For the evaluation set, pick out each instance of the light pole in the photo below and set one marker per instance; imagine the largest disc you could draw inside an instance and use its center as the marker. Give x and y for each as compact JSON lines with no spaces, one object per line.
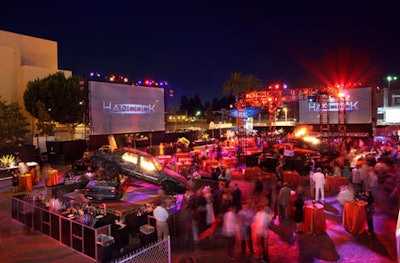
{"x":390,"y":79}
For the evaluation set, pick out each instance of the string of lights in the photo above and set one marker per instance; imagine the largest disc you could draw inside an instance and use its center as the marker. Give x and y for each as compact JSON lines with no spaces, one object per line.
{"x":115,"y":78}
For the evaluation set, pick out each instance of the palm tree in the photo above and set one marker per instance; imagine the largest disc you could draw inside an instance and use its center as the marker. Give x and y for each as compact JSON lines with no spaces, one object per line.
{"x":237,"y":84}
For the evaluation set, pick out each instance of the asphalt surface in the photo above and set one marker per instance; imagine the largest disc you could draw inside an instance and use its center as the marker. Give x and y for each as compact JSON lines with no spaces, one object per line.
{"x":20,"y":244}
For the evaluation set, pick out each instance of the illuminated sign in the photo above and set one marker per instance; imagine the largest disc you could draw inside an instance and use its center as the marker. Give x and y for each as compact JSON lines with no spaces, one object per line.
{"x":333,"y":106}
{"x":121,"y":108}
{"x":128,"y":108}
{"x":358,"y":108}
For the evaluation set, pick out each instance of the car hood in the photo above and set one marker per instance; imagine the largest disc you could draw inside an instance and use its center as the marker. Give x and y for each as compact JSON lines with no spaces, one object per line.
{"x":175,"y":175}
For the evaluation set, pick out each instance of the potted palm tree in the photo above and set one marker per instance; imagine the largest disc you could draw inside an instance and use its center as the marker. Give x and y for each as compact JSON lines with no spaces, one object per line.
{"x":7,"y":161}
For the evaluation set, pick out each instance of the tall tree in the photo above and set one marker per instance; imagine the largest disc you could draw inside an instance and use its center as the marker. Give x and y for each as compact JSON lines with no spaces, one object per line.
{"x":13,"y":125}
{"x":59,"y":95}
{"x":238,"y":84}
{"x":184,"y":104}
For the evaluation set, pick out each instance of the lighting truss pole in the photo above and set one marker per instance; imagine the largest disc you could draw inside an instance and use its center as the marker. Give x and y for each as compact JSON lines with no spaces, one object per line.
{"x":390,"y":79}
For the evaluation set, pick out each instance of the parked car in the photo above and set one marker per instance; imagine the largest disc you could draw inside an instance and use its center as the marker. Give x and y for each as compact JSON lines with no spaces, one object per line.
{"x":140,"y":165}
{"x":103,"y":190}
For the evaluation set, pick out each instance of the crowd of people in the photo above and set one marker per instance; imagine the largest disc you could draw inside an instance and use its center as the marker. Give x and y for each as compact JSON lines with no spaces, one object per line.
{"x":366,"y":167}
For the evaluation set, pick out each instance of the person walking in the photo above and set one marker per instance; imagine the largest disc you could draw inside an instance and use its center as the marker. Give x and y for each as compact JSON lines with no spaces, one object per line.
{"x":229,"y":230}
{"x":319,"y":179}
{"x":161,"y":215}
{"x":245,"y":219}
{"x":283,"y":201}
{"x":279,"y":170}
{"x":262,"y":221}
{"x":275,"y":189}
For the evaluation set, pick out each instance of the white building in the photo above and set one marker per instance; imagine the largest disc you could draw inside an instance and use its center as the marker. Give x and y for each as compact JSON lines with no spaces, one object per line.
{"x":23,"y":59}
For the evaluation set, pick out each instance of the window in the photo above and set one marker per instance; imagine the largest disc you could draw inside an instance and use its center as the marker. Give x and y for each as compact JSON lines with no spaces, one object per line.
{"x":130,"y":157}
{"x":147,"y":164}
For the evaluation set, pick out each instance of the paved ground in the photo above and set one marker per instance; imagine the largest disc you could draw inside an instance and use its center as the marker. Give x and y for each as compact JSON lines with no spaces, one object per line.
{"x":19,"y":244}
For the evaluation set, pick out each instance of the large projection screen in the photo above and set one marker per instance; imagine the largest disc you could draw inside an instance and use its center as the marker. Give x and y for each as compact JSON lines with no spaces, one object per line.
{"x":358,"y":108}
{"x":121,"y":108}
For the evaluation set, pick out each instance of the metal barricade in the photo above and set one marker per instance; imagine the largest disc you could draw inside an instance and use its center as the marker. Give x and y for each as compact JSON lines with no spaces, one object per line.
{"x":157,"y":252}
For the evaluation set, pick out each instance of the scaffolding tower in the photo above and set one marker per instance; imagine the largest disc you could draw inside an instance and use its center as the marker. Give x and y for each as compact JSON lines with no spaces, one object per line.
{"x":342,"y":116}
{"x":242,"y":134}
{"x":269,"y":99}
{"x":325,"y":127}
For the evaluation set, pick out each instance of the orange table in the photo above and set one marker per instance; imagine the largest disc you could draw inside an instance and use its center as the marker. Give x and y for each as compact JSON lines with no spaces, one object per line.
{"x":292,"y":177}
{"x":314,"y":219}
{"x":185,"y":160}
{"x":228,"y":161}
{"x":251,"y":173}
{"x":165,"y":158}
{"x":53,"y":178}
{"x":180,"y":166}
{"x":354,"y":217}
{"x":333,"y":183}
{"x":181,"y":155}
{"x":208,"y":164}
{"x":26,"y":182}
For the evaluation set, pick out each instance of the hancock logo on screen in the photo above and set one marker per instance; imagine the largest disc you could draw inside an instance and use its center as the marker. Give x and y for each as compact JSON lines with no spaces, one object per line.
{"x":333,"y":106}
{"x":115,"y":108}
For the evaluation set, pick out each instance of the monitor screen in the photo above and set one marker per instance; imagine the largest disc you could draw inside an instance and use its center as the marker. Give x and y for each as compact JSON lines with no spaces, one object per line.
{"x":358,"y":108}
{"x":122,"y":108}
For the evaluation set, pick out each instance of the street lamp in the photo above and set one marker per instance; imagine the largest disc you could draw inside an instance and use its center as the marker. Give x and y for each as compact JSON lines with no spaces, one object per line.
{"x":389,"y":79}
{"x":285,"y":110}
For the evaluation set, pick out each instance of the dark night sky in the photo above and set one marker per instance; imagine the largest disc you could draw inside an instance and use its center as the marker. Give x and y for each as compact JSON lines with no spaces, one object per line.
{"x":195,"y":45}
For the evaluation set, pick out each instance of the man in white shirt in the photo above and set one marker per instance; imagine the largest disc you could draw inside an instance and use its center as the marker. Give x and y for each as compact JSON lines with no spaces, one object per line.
{"x":161,"y":216}
{"x":319,"y":179}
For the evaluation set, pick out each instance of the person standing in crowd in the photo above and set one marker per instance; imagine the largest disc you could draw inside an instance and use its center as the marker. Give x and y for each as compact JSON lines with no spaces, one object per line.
{"x":161,"y":216}
{"x":262,"y":221}
{"x":370,"y":209}
{"x":228,"y":175}
{"x":237,"y":197}
{"x":319,"y":179}
{"x":210,"y":216}
{"x":275,"y":189}
{"x":229,"y":230}
{"x":279,"y":170}
{"x":245,"y":219}
{"x":346,"y":168}
{"x":298,"y":213}
{"x":283,"y":201}
{"x":312,"y":182}
{"x":201,"y":208}
{"x":15,"y":180}
{"x":356,"y":179}
{"x":22,"y":166}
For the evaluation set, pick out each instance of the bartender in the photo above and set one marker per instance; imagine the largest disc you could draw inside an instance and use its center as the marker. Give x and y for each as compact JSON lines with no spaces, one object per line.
{"x":22,"y":166}
{"x":161,"y":216}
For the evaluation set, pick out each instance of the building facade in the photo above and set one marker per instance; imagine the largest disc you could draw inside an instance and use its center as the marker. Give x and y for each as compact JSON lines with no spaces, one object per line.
{"x":23,"y":59}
